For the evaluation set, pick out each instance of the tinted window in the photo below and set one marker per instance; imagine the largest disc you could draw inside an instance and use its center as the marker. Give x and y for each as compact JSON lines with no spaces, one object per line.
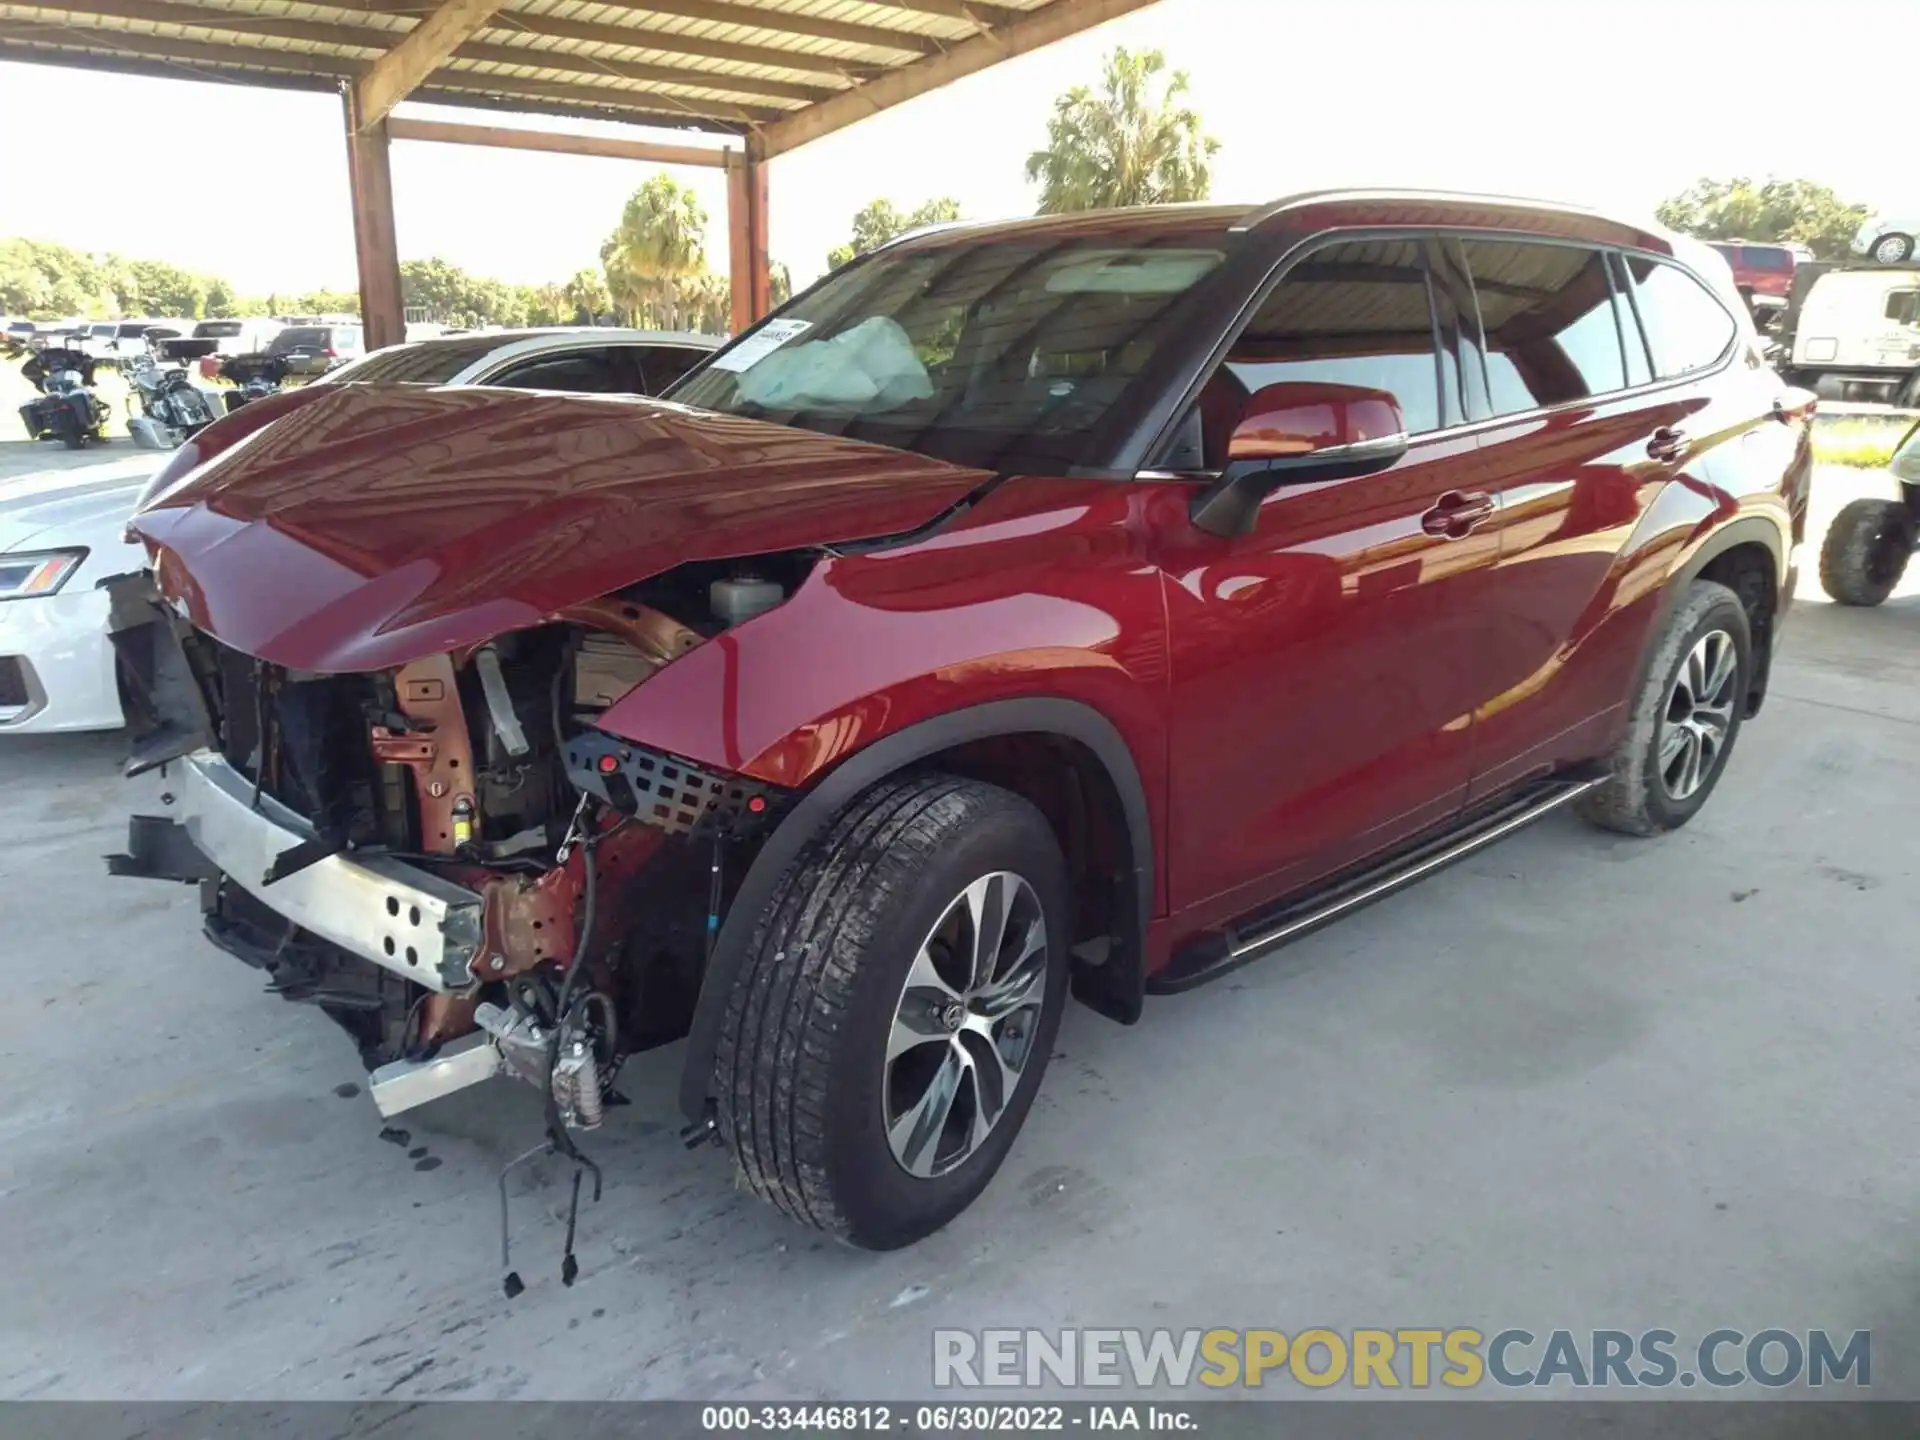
{"x":299,"y":337}
{"x":1352,"y":314}
{"x":589,"y":371}
{"x":1904,"y":306}
{"x":136,"y":330}
{"x":216,"y":330}
{"x":661,"y":365}
{"x":1548,"y":314}
{"x":1767,"y":257}
{"x":1687,"y":329}
{"x":1004,"y":352}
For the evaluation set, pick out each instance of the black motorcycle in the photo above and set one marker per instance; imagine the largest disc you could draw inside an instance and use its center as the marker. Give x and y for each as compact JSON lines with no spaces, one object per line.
{"x":172,"y":408}
{"x":253,"y":376}
{"x":67,"y":409}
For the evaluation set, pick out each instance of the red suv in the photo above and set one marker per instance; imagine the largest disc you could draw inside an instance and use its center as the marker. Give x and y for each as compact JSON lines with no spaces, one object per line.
{"x":1075,"y":606}
{"x":1763,"y":274}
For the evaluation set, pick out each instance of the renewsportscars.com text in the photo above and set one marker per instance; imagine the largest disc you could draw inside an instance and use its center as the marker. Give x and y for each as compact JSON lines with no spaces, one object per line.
{"x":1461,"y":1358}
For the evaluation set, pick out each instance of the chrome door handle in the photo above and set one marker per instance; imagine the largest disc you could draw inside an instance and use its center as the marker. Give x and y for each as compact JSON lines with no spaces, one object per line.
{"x":1455,"y":513}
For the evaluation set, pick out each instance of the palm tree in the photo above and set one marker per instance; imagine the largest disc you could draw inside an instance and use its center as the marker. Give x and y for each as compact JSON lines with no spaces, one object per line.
{"x":661,"y":239}
{"x":1134,"y":144}
{"x":586,"y":296}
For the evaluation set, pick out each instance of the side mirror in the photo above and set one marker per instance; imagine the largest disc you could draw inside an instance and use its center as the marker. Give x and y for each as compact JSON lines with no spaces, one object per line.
{"x":1294,"y":432}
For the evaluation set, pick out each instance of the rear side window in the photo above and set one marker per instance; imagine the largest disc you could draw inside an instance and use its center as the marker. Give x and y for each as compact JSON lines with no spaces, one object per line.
{"x":1687,"y":328}
{"x":1550,"y":321}
{"x":660,"y":366}
{"x":1356,"y":313}
{"x":1904,"y":306}
{"x":300,"y":337}
{"x":583,"y":371}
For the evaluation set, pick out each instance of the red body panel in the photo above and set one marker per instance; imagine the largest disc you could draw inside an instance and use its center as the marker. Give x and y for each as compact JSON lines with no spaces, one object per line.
{"x":1344,"y":675}
{"x":374,"y":525}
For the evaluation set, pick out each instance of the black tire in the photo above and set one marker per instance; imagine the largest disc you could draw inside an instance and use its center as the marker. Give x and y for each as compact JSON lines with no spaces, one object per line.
{"x":1637,"y":798}
{"x":1891,"y":249}
{"x":72,"y":436}
{"x":1865,"y":552}
{"x":800,"y":1068}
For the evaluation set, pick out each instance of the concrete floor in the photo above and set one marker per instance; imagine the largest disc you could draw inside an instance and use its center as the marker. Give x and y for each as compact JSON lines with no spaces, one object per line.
{"x":1576,"y":1081}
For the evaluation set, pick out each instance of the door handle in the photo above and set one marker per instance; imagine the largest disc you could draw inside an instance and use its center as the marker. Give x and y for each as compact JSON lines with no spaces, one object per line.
{"x":1455,"y":513}
{"x":1668,"y":445}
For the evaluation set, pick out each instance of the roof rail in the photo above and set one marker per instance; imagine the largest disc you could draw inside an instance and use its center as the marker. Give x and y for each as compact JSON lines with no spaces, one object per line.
{"x":1313,"y":197}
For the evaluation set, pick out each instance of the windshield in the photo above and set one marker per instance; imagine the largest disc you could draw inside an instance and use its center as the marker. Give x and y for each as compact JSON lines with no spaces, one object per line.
{"x":1001,"y":352}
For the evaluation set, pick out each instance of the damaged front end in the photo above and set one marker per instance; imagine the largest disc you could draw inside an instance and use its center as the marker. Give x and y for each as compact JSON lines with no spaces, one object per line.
{"x":446,"y":857}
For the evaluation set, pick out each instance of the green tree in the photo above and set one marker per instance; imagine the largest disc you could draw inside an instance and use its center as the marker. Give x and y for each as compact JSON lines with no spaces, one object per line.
{"x":879,"y":221}
{"x":660,"y":241}
{"x":319,"y":302}
{"x":221,"y":301}
{"x":1801,"y":211}
{"x":1134,"y":143}
{"x":586,"y":297}
{"x":154,"y":287}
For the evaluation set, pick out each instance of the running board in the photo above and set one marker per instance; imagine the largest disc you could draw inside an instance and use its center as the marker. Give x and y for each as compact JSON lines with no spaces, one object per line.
{"x":1241,"y":944}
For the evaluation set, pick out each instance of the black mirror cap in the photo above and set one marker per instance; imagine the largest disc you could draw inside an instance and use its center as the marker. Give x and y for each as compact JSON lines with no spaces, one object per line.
{"x":1230,"y":506}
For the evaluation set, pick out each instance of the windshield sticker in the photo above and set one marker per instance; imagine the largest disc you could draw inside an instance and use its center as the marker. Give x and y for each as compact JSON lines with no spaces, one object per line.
{"x":762,"y":343}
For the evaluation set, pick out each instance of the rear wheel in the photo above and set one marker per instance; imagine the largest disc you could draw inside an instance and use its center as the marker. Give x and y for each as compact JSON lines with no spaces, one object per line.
{"x":888,"y":1029}
{"x":1865,"y":552}
{"x":1685,"y":718}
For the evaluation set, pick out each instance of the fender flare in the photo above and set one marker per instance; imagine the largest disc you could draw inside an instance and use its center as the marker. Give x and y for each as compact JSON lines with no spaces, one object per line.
{"x":1069,"y":719}
{"x":1748,"y":530}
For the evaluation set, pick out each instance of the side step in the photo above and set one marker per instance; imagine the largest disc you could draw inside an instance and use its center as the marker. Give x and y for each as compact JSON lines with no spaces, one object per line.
{"x":1259,"y":934}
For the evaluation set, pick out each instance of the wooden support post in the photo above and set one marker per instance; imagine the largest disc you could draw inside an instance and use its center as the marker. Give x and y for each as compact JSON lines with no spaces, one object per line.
{"x":747,"y":235}
{"x":374,"y":246}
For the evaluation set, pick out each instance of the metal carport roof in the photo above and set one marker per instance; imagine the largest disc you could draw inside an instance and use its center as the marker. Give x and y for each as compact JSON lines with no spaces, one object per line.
{"x":772,"y":73}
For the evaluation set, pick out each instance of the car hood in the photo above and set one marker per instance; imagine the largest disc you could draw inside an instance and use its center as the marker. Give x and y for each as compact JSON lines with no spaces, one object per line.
{"x":371,"y":525}
{"x":93,"y":516}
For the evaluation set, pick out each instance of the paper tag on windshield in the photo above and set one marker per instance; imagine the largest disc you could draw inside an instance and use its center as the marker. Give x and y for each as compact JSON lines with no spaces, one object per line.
{"x":762,"y":343}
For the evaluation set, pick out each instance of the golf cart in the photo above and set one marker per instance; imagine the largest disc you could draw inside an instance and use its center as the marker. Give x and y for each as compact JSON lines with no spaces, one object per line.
{"x":1867,"y":546}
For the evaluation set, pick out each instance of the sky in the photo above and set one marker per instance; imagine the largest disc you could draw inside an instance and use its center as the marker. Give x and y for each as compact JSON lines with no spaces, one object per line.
{"x":1610,"y":106}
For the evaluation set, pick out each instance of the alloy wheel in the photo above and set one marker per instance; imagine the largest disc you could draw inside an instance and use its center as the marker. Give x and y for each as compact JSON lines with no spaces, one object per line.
{"x":1699,"y":715}
{"x":1892,"y":249}
{"x":963,"y":1029}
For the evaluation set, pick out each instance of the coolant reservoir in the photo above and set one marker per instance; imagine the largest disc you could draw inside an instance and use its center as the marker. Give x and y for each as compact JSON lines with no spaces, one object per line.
{"x":741,"y":597}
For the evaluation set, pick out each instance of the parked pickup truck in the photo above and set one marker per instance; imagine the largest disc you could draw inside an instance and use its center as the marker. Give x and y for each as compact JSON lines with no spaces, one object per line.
{"x":223,"y":337}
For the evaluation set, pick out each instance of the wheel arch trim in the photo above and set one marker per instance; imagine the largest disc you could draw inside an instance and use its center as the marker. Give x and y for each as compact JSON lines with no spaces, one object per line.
{"x":1746,"y":530}
{"x":1068,"y":719}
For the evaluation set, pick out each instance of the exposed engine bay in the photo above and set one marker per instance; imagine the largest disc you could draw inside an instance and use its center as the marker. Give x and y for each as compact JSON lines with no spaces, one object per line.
{"x":447,"y":858}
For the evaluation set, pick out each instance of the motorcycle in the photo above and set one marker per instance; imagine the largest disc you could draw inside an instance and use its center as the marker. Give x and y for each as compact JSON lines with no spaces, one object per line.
{"x":67,"y":409}
{"x":172,"y":409}
{"x":253,"y":376}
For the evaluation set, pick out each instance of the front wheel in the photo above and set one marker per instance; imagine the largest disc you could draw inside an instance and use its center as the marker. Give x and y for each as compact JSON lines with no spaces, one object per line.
{"x":888,"y":1029}
{"x":1685,"y":718}
{"x":1865,"y":552}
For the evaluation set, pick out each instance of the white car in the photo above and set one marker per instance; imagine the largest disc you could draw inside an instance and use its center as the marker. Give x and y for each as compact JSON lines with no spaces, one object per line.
{"x":58,"y":539}
{"x":578,"y":359}
{"x":56,"y":544}
{"x":1890,"y":241}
